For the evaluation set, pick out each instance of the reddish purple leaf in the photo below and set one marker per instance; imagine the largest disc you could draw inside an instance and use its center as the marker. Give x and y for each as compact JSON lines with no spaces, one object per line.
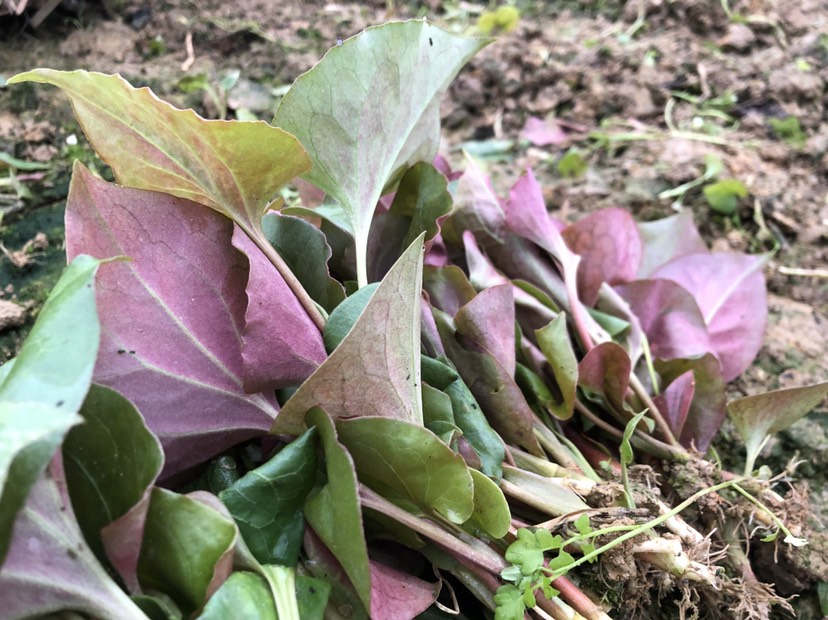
{"x":669,"y":316}
{"x":707,"y":410}
{"x":398,"y":595}
{"x":730,"y":292}
{"x":605,"y":370}
{"x":610,"y":249}
{"x":674,"y":403}
{"x":172,"y":317}
{"x":666,"y":239}
{"x":489,"y":320}
{"x":122,"y":541}
{"x":280,"y":345}
{"x":527,"y":216}
{"x":477,"y":206}
{"x":542,"y":133}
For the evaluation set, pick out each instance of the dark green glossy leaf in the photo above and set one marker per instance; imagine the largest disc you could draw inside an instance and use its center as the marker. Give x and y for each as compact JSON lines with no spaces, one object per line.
{"x":187,"y":548}
{"x":346,"y":314}
{"x":50,"y":376}
{"x":267,"y":502}
{"x":423,"y":197}
{"x":306,"y":252}
{"x":111,"y":461}
{"x":243,"y":595}
{"x":491,"y":510}
{"x":312,"y":595}
{"x":411,"y":460}
{"x":556,"y":345}
{"x":334,"y":512}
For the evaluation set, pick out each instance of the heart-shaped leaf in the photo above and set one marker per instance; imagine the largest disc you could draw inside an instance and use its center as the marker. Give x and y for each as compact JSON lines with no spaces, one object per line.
{"x":760,"y":416}
{"x":669,"y":316}
{"x":666,"y":239}
{"x":398,"y":595}
{"x":489,"y":320}
{"x":49,"y":567}
{"x":375,"y":370}
{"x":50,"y":377}
{"x":111,"y":461}
{"x":267,"y":502}
{"x":413,"y":462}
{"x":675,"y":401}
{"x":610,"y":249}
{"x":730,"y":292}
{"x":187,"y":549}
{"x":370,"y":108}
{"x":172,"y":317}
{"x":334,"y":512}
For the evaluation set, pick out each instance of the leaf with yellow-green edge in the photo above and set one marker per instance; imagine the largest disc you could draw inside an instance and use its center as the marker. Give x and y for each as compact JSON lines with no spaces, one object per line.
{"x":234,"y":167}
{"x":370,"y":109}
{"x":375,"y":369}
{"x":556,"y":345}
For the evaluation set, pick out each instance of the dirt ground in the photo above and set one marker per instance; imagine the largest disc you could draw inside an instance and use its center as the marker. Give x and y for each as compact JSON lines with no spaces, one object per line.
{"x":642,"y":96}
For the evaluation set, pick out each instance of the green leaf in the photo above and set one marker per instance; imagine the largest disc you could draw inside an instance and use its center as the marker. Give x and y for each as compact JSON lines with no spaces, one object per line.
{"x":233,"y":167}
{"x":438,"y":416}
{"x":29,"y":435}
{"x":413,"y":462}
{"x":111,"y":461}
{"x":19,"y":164}
{"x":491,"y":510}
{"x":243,"y":595}
{"x":312,"y":595}
{"x":423,"y":197}
{"x":345,"y":316}
{"x":375,"y":370}
{"x":626,"y":451}
{"x":49,"y":378}
{"x":509,"y":601}
{"x":334,"y":513}
{"x":760,"y":416}
{"x":723,"y":196}
{"x":267,"y":502}
{"x":370,"y":108}
{"x":306,"y":252}
{"x":572,"y":165}
{"x":582,"y":525}
{"x":187,"y":548}
{"x":525,"y":552}
{"x":556,"y":345}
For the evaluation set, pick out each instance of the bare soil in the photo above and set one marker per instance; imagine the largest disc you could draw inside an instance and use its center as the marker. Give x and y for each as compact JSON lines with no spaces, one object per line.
{"x":644,"y":91}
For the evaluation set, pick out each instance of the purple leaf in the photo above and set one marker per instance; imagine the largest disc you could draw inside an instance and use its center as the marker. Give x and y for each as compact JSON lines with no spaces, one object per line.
{"x":605,"y":370}
{"x":669,"y":316}
{"x":707,"y":410}
{"x":375,"y":370}
{"x":477,"y":207}
{"x":542,"y":133}
{"x":280,"y":344}
{"x":610,"y":249}
{"x":674,"y":403}
{"x":489,"y":320}
{"x":666,"y":239}
{"x":398,"y":595}
{"x":172,"y":317}
{"x":730,"y":292}
{"x":49,"y":566}
{"x":526,"y":214}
